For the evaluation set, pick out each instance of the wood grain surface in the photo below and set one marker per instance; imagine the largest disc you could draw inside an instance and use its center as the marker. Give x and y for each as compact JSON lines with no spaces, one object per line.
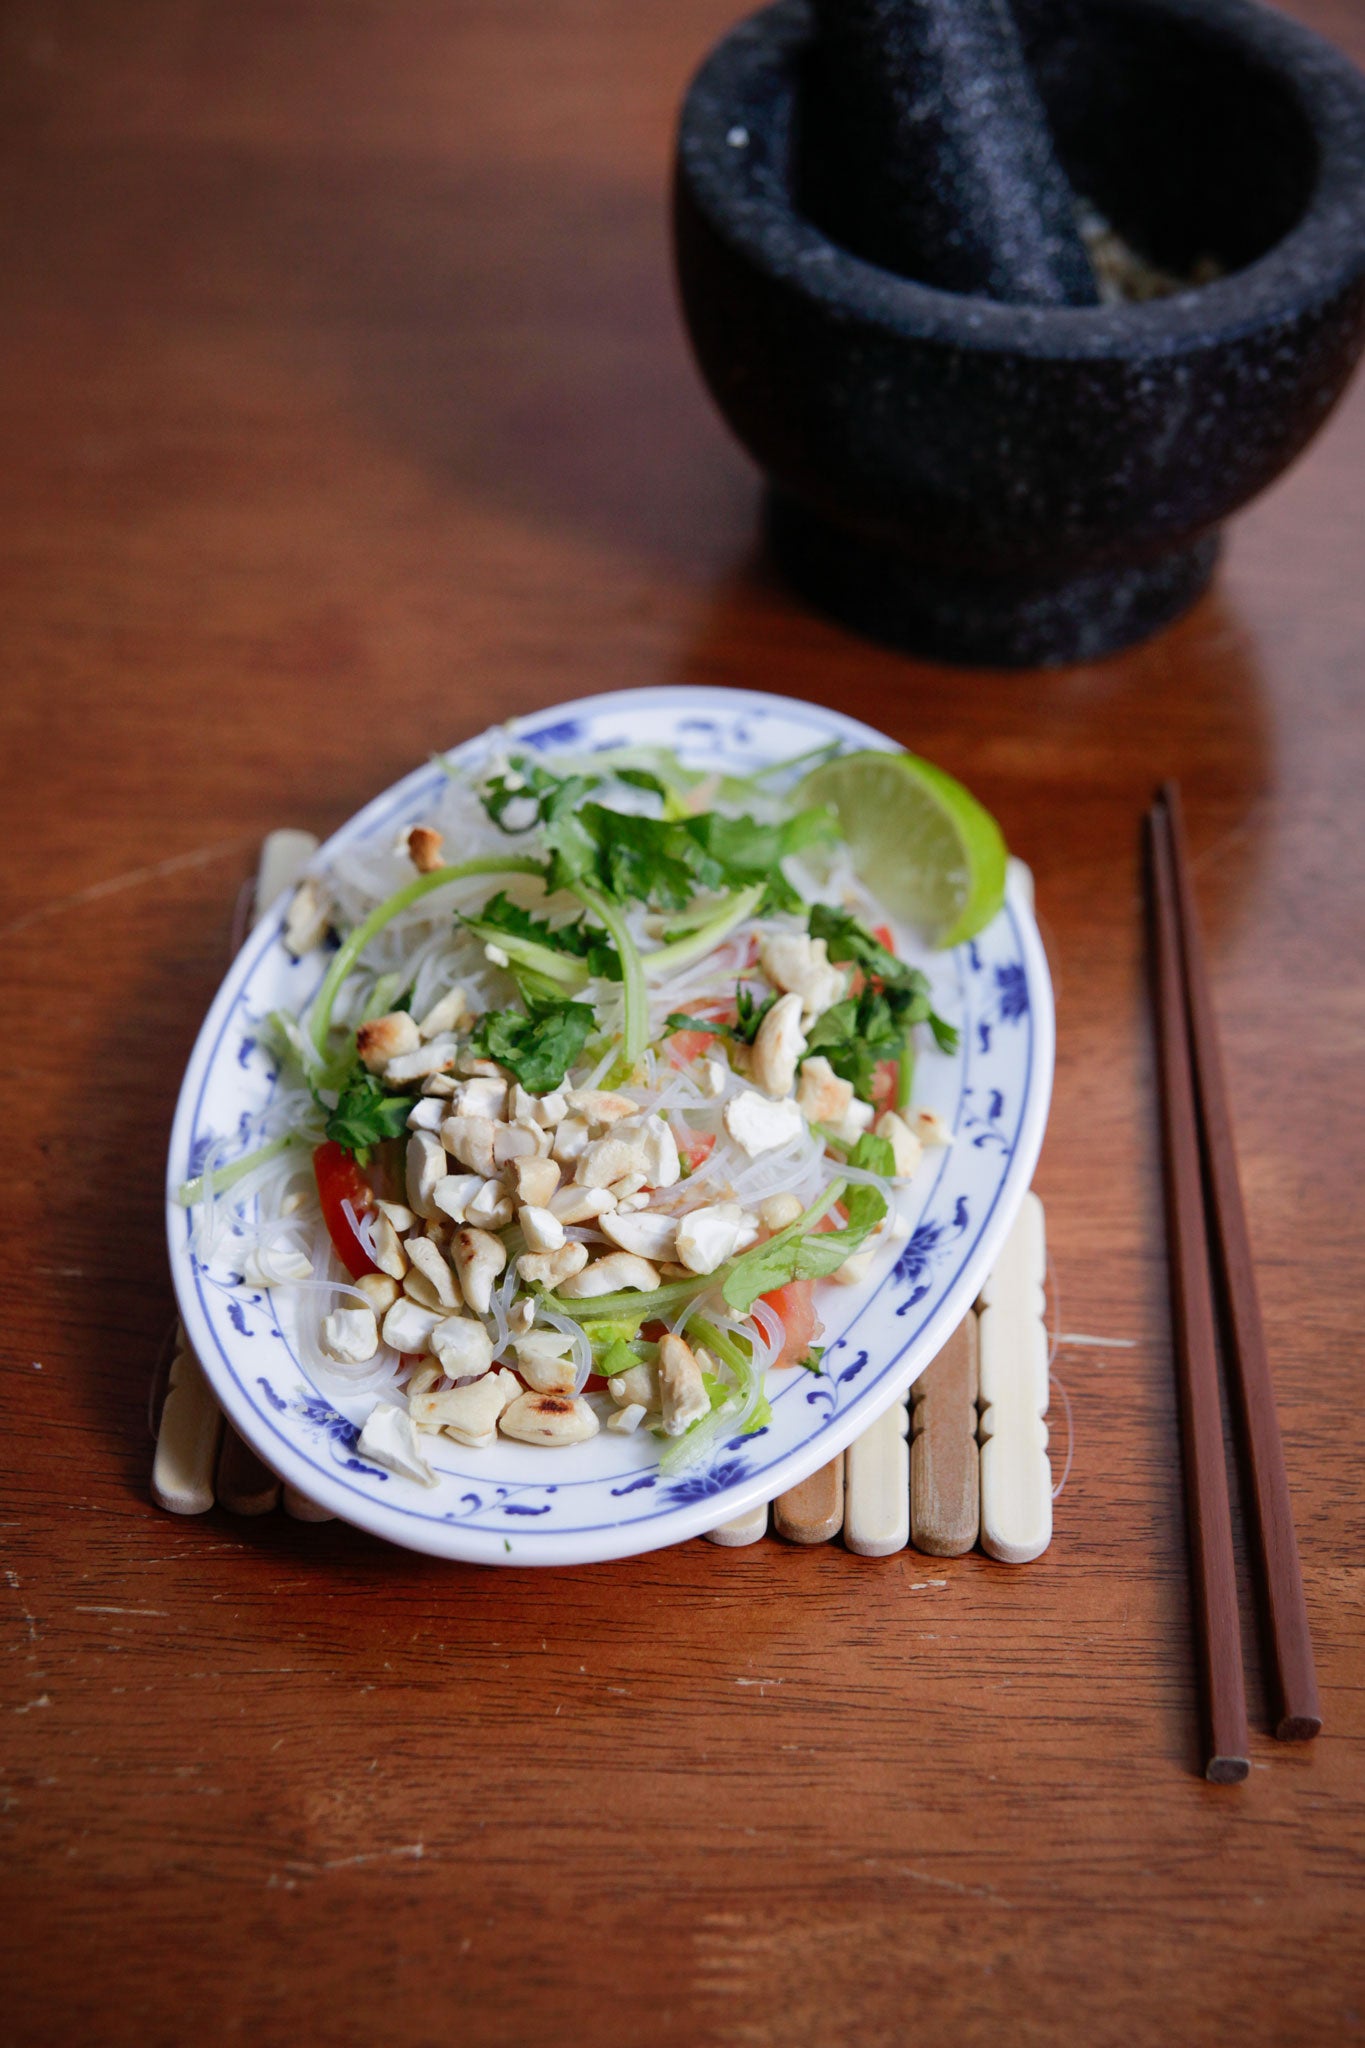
{"x":344,"y":407}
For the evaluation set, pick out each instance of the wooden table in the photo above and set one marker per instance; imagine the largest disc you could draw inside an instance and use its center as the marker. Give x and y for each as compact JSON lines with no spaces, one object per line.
{"x":345,"y":409}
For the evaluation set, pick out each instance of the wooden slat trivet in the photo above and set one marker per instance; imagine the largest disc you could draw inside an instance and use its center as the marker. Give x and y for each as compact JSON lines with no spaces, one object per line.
{"x":813,"y":1511}
{"x":945,"y":1464}
{"x":741,"y":1529}
{"x":877,"y":1486}
{"x":242,"y":1484}
{"x":1016,"y":1477}
{"x":182,"y":1470}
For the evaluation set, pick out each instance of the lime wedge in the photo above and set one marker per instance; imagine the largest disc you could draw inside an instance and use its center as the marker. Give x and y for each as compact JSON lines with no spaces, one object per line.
{"x":922,"y":843}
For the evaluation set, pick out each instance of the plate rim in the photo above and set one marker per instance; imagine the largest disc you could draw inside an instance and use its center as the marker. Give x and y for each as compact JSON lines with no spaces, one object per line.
{"x":459,"y":1542}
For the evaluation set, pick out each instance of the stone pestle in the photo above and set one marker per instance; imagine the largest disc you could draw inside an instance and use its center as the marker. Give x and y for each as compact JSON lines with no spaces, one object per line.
{"x":926,"y":150}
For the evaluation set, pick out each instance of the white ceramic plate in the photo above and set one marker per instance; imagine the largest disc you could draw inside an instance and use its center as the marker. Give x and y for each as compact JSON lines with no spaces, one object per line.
{"x":522,"y":1504}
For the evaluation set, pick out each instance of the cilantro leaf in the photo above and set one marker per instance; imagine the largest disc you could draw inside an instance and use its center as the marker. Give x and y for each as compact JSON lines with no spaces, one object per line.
{"x":858,"y":1033}
{"x":538,"y":1044}
{"x":578,"y":939}
{"x":804,"y":1254}
{"x":365,"y":1115}
{"x":749,"y":1014}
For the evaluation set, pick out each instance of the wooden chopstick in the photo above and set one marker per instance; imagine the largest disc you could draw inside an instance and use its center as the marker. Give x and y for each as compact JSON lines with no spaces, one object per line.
{"x":1218,"y":1635}
{"x":1297,"y":1712}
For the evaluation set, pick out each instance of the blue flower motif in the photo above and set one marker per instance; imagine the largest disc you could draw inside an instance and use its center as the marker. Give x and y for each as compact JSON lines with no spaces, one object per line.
{"x":277,"y":1401}
{"x":1013,"y":986}
{"x":561,"y":735}
{"x":333,"y":1426}
{"x":701,"y":1485}
{"x":199,"y":1152}
{"x":237,"y":1317}
{"x":245,"y":1050}
{"x":635,"y":1486}
{"x":929,"y":1243}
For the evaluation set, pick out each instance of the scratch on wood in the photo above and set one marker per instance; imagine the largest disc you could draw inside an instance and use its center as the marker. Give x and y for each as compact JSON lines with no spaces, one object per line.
{"x":114,"y":884}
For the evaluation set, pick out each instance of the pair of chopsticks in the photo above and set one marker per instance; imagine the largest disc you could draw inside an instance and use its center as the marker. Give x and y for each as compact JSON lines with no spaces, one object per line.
{"x":1210,"y":1253}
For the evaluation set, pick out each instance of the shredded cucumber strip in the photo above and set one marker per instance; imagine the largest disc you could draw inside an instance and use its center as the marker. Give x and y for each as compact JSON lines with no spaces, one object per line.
{"x":191,"y":1191}
{"x":351,"y":948}
{"x":684,"y":951}
{"x":635,"y":1021}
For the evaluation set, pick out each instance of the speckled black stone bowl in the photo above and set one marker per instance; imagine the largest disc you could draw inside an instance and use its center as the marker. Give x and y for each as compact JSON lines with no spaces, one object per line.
{"x":1011,"y":485}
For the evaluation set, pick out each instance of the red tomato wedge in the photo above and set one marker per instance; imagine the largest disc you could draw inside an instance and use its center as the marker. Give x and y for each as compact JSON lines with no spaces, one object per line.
{"x":340,"y":1180}
{"x":689,"y":1045}
{"x":794,"y":1307}
{"x":696,"y":1146}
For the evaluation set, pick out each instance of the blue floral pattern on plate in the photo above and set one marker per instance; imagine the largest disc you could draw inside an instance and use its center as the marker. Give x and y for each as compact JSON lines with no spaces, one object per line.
{"x":518,"y":1503}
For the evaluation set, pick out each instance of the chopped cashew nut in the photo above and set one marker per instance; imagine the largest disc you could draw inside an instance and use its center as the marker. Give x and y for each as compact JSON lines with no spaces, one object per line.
{"x":544,"y":1363}
{"x":491,"y":1208}
{"x":400,"y":1216}
{"x":521,"y":1317}
{"x":599,"y":1106}
{"x":379,"y":1290}
{"x":434,"y":1056}
{"x":823,"y":1097}
{"x":482,"y":1097}
{"x":580,"y":1205}
{"x":638,"y":1384}
{"x":712,"y":1077}
{"x":708,"y":1237}
{"x":930,"y":1128}
{"x":430,"y":1263}
{"x":461,"y":1346}
{"x":906,"y":1148}
{"x":534,"y":1180}
{"x":424,"y":849}
{"x":778,"y":1211}
{"x":627,"y":1420}
{"x":778,"y":1046}
{"x":470,"y":1140}
{"x":407,"y":1327}
{"x":644,"y":1231}
{"x":426,"y":1165}
{"x":384,"y":1038}
{"x":682,"y":1395}
{"x":856,"y":1119}
{"x":350,"y":1335}
{"x":855,"y":1269}
{"x":441,"y":1085}
{"x":758,"y":1125}
{"x":388,"y":1253}
{"x":800,"y":964}
{"x":542,"y":1231}
{"x":454,"y":1192}
{"x":389,"y":1439}
{"x":571,"y":1139}
{"x":549,"y":1419}
{"x":469,"y":1414}
{"x":308,"y":918}
{"x":516,"y":1141}
{"x":550,"y":1109}
{"x":609,"y":1275}
{"x":478,"y":1258}
{"x":427,"y":1114}
{"x":552,"y":1269}
{"x":418,"y":1288}
{"x":276,"y":1265}
{"x":446,"y":1015}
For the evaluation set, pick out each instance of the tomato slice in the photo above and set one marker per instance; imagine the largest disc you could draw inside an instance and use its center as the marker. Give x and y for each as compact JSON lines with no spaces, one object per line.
{"x":794,"y":1307}
{"x":340,"y":1180}
{"x":684,"y":1046}
{"x":696,"y":1146}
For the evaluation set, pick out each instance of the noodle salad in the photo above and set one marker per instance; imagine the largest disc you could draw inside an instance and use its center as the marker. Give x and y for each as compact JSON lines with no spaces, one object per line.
{"x":611,"y":1063}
